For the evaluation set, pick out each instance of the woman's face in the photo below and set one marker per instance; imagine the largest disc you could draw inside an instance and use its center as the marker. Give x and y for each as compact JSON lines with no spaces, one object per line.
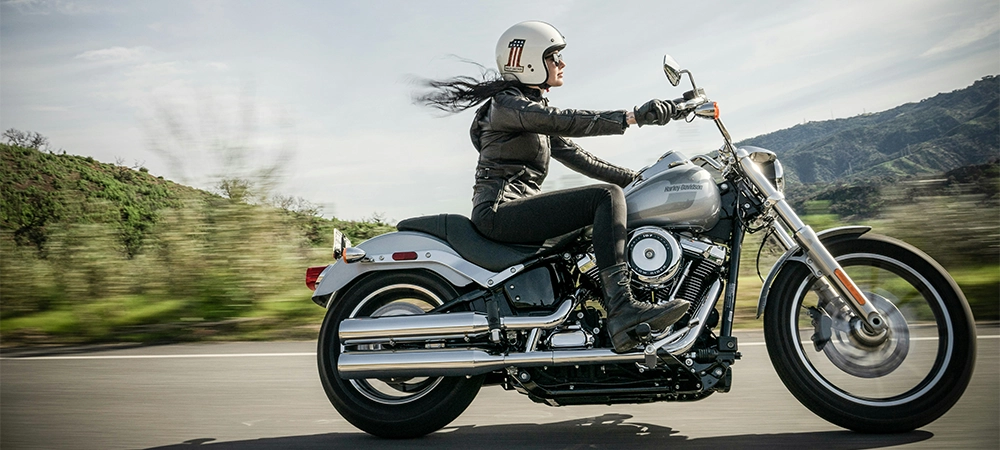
{"x":555,"y":65}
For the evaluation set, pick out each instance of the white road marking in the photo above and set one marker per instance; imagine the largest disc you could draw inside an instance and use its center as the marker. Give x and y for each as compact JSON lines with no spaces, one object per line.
{"x":206,"y":355}
{"x":274,"y":355}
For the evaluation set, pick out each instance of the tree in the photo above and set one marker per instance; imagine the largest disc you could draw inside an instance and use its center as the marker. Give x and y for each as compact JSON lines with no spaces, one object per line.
{"x":26,"y":139}
{"x":239,"y":190}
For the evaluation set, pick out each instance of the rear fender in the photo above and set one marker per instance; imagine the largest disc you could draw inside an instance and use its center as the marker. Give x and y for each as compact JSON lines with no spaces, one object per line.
{"x":432,"y":254}
{"x":796,"y":254}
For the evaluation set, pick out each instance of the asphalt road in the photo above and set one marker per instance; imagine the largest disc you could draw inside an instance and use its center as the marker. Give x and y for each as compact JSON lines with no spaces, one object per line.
{"x":252,"y":396}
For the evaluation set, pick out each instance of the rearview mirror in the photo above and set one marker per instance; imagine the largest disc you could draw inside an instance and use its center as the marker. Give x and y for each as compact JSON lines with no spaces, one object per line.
{"x":672,"y":70}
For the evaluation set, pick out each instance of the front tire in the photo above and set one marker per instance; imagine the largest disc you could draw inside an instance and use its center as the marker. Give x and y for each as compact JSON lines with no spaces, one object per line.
{"x":892,"y":382}
{"x":392,"y":408}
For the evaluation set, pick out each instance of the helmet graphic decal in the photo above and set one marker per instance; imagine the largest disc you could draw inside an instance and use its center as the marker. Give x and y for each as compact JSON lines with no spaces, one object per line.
{"x":514,"y":58}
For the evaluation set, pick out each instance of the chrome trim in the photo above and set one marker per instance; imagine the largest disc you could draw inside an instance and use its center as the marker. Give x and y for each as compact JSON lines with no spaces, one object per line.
{"x":532,"y":343}
{"x":440,"y":326}
{"x":544,"y":322}
{"x":710,"y":161}
{"x":714,"y":253}
{"x":574,"y":337}
{"x":380,"y":329}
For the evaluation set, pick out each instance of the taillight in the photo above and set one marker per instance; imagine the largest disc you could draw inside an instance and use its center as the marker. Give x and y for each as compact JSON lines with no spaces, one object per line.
{"x":313,"y":276}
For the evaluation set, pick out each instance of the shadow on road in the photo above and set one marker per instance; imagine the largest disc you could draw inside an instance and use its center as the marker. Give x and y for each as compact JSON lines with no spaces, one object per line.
{"x":607,"y":431}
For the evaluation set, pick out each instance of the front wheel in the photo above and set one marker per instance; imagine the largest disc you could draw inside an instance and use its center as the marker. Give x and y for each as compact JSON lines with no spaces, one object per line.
{"x":392,"y":407}
{"x":893,"y":381}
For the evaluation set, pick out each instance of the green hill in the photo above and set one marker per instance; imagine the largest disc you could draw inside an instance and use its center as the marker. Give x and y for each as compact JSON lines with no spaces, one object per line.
{"x":41,"y":190}
{"x":938,"y":134}
{"x":94,"y":251}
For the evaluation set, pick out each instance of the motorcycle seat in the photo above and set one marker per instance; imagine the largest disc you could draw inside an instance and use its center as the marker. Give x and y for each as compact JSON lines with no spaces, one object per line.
{"x":459,"y":232}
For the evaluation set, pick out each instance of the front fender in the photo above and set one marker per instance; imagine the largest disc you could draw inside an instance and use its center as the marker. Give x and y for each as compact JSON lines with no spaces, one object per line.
{"x":795,"y":254}
{"x":433,"y":254}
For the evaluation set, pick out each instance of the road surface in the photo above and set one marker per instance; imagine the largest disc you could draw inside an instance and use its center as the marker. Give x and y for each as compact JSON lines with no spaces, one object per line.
{"x":256,"y":396}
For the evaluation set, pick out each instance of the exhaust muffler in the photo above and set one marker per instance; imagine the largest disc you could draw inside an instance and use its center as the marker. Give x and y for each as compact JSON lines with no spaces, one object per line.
{"x":440,"y":326}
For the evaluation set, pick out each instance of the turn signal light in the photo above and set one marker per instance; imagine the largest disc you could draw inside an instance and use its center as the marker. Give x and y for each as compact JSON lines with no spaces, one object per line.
{"x":708,"y":111}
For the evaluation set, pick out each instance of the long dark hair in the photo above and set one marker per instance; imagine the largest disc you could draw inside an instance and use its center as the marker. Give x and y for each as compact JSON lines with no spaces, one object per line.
{"x":460,"y":93}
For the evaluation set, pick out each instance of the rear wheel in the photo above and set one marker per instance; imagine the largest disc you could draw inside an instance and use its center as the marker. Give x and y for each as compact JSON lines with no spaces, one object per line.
{"x":894,"y":381}
{"x":392,"y":407}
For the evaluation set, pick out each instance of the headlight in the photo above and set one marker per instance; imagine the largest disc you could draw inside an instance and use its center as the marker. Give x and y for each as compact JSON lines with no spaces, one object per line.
{"x":776,"y":174}
{"x":769,"y":165}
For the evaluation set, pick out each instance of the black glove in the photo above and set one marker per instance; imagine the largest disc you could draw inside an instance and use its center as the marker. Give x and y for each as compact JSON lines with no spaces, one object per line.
{"x":654,"y":112}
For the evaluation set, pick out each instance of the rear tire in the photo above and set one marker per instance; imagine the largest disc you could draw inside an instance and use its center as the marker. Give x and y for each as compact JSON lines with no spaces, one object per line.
{"x":864,"y":383}
{"x":392,"y":408}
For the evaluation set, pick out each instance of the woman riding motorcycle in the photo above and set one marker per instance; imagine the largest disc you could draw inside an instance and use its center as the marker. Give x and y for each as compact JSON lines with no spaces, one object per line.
{"x":516,"y":132}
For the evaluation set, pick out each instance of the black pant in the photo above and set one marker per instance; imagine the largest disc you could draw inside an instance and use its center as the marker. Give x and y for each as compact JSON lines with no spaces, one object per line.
{"x":539,"y":217}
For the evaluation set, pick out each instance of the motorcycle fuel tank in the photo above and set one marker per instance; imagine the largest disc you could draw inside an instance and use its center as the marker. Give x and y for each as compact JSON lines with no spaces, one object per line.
{"x":673,"y":193}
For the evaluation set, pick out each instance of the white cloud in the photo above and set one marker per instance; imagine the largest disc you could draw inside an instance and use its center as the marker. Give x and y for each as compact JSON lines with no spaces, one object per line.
{"x":115,"y":54}
{"x":48,"y":108}
{"x":965,"y":36}
{"x":46,"y":7}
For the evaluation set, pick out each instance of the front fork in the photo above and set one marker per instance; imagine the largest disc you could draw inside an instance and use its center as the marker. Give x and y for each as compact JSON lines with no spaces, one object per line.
{"x":833,"y":281}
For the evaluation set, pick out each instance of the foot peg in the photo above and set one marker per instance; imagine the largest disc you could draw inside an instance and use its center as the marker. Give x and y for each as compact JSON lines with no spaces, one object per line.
{"x":642,"y":333}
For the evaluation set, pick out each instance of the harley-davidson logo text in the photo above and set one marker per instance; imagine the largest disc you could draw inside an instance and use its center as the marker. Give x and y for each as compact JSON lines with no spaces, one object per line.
{"x":683,"y":187}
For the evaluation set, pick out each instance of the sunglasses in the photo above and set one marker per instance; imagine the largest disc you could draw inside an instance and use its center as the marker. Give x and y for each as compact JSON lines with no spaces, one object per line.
{"x":556,"y":58}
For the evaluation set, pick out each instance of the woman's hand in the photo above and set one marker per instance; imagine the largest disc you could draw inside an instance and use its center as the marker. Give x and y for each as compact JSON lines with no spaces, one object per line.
{"x":654,"y":112}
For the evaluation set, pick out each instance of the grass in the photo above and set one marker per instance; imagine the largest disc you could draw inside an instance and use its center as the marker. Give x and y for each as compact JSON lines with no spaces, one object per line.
{"x":148,"y":318}
{"x":49,"y":322}
{"x":982,"y":288}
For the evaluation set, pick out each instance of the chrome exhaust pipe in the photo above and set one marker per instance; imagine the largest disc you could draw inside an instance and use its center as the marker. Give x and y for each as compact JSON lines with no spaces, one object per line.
{"x":440,"y":326}
{"x":449,"y":363}
{"x":428,"y":363}
{"x":682,"y":340}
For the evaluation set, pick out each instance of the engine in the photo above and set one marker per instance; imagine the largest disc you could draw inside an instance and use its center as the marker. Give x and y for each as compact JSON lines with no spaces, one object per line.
{"x":666,"y":265}
{"x":654,"y":255}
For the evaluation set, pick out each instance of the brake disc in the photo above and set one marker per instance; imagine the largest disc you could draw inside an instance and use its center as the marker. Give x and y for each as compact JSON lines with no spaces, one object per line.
{"x":856,"y":351}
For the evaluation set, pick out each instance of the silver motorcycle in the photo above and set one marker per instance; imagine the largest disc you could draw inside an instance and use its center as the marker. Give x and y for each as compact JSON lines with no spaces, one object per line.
{"x":864,"y":330}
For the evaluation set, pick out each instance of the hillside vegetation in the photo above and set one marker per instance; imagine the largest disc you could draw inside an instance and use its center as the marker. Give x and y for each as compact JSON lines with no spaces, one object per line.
{"x":94,"y":251}
{"x":935,"y":135}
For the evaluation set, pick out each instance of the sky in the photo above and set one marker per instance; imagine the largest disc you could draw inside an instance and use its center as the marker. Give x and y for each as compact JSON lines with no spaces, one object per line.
{"x":314,"y":99}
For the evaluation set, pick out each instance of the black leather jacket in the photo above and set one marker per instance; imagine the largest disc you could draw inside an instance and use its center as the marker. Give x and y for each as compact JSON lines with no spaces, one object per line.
{"x":516,"y":132}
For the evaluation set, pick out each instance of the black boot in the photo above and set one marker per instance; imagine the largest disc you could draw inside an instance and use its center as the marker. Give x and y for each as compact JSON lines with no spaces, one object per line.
{"x":624,"y":312}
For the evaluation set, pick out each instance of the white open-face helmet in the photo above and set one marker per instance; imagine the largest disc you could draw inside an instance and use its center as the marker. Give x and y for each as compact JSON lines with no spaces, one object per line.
{"x":522,"y":48}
